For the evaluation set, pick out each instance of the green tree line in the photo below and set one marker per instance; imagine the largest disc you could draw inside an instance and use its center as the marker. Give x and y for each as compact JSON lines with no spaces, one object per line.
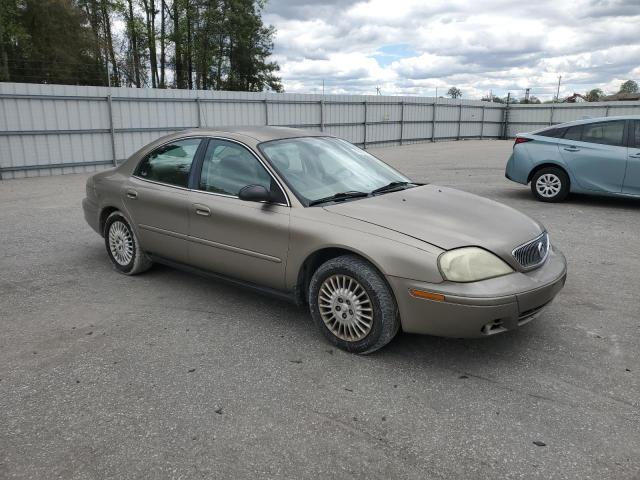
{"x":203,"y":44}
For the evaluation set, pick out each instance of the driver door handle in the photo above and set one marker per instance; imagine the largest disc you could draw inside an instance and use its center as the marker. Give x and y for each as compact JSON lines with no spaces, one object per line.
{"x":636,"y":155}
{"x":572,"y":149}
{"x":202,"y":210}
{"x":132,"y":194}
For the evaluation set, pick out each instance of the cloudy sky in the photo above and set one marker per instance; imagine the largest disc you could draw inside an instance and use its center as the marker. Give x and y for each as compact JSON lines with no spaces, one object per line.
{"x":413,"y":47}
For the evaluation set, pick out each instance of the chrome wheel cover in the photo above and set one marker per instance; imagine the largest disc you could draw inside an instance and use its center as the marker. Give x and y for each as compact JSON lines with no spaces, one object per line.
{"x":345,"y":308}
{"x":121,"y":243}
{"x":548,"y":185}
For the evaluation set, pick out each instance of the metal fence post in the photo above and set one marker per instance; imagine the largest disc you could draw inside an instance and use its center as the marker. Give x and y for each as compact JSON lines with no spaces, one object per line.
{"x":364,"y":142}
{"x":112,"y":131}
{"x":551,"y":115}
{"x":459,"y":120}
{"x":199,"y":114}
{"x":401,"y":122}
{"x":322,"y":115}
{"x":266,"y":112}
{"x":606,"y":110}
{"x":505,"y":133}
{"x":433,"y":120}
{"x":482,"y":123}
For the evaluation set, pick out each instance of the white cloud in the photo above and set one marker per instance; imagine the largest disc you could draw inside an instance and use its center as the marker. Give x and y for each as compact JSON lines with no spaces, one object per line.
{"x":414,"y":46}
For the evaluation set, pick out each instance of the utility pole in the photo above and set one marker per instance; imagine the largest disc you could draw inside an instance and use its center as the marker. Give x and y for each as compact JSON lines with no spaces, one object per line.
{"x":558,"y":91}
{"x":323,"y":87}
{"x":526,"y":95}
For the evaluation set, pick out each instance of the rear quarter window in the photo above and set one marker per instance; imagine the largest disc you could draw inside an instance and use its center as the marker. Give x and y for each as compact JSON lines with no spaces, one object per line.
{"x":552,"y":132}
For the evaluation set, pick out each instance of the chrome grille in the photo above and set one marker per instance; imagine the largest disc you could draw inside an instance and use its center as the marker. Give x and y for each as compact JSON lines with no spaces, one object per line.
{"x":533,"y":253}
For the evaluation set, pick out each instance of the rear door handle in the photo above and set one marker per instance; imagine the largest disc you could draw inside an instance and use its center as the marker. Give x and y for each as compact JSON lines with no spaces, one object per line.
{"x":572,"y":149}
{"x":636,"y":155}
{"x":132,"y":194}
{"x":202,"y":210}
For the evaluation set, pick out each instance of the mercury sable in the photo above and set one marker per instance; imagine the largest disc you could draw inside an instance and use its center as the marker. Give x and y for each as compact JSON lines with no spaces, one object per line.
{"x":318,"y":220}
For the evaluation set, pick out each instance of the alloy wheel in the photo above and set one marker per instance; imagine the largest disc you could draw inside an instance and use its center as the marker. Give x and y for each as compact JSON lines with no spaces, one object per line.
{"x":121,"y":243}
{"x":345,"y":308}
{"x":548,"y":185}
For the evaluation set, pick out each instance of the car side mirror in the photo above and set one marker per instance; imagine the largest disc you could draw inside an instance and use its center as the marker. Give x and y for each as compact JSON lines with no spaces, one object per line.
{"x":254,"y":193}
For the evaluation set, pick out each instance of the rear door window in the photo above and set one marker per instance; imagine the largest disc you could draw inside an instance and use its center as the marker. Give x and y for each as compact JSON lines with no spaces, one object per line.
{"x":170,"y":163}
{"x":604,"y":133}
{"x":635,"y":135}
{"x":573,"y":133}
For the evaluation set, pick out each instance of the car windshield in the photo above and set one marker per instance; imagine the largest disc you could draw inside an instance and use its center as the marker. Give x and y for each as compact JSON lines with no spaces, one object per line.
{"x":318,"y":168}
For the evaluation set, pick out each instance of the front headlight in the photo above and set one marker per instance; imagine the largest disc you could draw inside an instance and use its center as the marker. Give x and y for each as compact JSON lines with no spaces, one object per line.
{"x":471,"y":264}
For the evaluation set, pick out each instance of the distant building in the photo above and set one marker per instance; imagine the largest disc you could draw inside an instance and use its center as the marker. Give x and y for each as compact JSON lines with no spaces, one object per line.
{"x":621,"y":97}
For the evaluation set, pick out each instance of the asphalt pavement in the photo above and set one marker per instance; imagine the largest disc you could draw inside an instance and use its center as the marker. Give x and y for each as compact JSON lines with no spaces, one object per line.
{"x":170,"y":375}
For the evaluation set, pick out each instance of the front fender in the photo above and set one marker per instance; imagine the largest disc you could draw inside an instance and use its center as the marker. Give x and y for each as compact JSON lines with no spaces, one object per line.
{"x":390,"y":252}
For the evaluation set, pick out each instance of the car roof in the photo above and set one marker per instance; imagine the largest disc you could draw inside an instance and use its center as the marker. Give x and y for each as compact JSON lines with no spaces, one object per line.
{"x":257,"y":133}
{"x":589,"y":120}
{"x":249,"y":136}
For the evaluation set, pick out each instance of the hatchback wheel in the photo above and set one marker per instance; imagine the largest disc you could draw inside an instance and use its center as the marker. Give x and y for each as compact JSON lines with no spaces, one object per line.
{"x":123,"y":246}
{"x":352,"y":305}
{"x":550,"y":184}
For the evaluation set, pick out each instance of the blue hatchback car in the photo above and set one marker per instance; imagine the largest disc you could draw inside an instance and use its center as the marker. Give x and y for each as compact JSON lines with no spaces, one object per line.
{"x":598,"y":156}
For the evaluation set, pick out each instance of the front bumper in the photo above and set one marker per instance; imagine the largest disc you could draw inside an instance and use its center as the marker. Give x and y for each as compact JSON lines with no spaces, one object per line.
{"x":482,"y":308}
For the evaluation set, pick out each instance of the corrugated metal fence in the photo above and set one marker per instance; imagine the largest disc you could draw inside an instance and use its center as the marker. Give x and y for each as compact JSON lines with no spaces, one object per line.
{"x":50,"y":129}
{"x":53,"y":129}
{"x":526,"y":118}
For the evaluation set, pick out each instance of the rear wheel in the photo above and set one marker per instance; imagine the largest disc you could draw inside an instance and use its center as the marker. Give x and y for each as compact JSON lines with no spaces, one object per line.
{"x":352,"y":305}
{"x":550,"y":184}
{"x":123,"y":247}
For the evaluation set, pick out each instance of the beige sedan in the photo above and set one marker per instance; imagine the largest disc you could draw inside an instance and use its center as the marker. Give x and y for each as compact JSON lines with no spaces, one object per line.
{"x":315,"y":219}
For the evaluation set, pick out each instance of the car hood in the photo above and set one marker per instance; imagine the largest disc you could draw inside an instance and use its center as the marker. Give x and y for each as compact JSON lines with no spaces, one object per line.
{"x":446,"y":218}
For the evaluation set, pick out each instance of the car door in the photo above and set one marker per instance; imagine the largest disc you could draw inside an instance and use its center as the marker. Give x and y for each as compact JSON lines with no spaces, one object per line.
{"x":241,"y":239}
{"x":632,"y":178}
{"x":596,"y":154}
{"x":157,"y":198}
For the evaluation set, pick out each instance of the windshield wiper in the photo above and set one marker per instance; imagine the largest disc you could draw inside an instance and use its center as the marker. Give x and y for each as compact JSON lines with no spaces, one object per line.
{"x":390,"y":187}
{"x":338,"y":197}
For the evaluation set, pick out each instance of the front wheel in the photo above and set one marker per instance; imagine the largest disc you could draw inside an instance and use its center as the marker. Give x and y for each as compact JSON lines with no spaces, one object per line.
{"x":352,"y":305}
{"x":550,"y":184}
{"x":123,"y":247}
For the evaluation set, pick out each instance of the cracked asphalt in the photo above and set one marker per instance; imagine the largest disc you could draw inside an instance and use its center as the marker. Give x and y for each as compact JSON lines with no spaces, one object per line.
{"x":169,"y":375}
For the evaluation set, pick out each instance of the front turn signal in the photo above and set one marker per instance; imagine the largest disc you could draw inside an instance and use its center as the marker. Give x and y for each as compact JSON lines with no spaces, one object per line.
{"x":438,"y":297}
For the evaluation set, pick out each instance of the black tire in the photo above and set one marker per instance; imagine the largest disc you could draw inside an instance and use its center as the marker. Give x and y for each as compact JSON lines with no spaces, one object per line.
{"x":139,"y":261}
{"x":550,"y":184}
{"x":385,"y":321}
